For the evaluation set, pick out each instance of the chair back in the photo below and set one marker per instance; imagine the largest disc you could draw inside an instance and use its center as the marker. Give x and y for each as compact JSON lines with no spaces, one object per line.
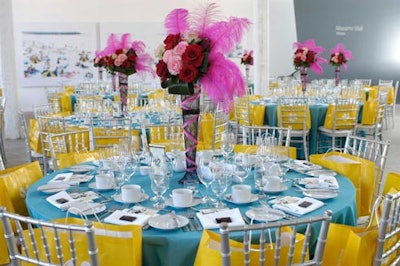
{"x":49,"y":124}
{"x":343,"y":114}
{"x":45,"y":109}
{"x":364,"y":82}
{"x":212,"y":125}
{"x":68,"y":143}
{"x":41,"y":242}
{"x":242,"y":110}
{"x":386,"y":82}
{"x":281,"y":134}
{"x":372,"y":150}
{"x":294,"y":112}
{"x":108,"y":131}
{"x":388,"y":243}
{"x":281,"y":239}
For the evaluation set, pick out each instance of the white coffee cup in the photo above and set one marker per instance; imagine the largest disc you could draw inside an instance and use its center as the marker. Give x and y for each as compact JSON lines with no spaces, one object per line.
{"x":241,"y":193}
{"x":182,"y":197}
{"x":104,"y":181}
{"x":273,"y":183}
{"x":131,"y":193}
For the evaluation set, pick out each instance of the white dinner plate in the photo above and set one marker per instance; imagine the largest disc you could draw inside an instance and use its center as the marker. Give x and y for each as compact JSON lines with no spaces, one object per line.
{"x":195,"y":201}
{"x":321,"y":172}
{"x":265,"y":214}
{"x":53,"y":188}
{"x":277,"y":190}
{"x":93,"y":186}
{"x":81,"y":168}
{"x":86,"y":208}
{"x":321,"y":194}
{"x":118,"y":198}
{"x":166,"y":221}
{"x":253,"y":198}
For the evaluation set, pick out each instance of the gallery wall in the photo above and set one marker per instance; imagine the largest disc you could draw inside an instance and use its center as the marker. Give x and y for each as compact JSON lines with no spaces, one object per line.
{"x":140,"y":18}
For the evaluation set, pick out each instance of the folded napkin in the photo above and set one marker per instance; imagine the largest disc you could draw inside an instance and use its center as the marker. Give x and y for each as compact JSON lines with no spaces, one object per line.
{"x":61,"y":200}
{"x":76,"y":179}
{"x":297,"y":206}
{"x":128,"y":216}
{"x":305,"y":164}
{"x":323,"y":181}
{"x":210,"y":220}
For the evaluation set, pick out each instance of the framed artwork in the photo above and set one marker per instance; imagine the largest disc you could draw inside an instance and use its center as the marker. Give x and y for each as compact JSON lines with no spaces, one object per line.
{"x":49,"y":54}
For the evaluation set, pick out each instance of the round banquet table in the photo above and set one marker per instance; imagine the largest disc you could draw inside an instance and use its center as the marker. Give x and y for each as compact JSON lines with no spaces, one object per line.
{"x":176,"y":247}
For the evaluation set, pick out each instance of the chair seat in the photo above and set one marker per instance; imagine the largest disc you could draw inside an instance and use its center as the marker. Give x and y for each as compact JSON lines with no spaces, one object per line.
{"x":298,"y":133}
{"x":337,"y":132}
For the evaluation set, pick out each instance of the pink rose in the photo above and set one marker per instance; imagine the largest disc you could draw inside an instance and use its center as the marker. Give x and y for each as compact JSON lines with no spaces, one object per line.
{"x":174,"y":65}
{"x":120,"y":59}
{"x":180,"y":48}
{"x":167,"y":56}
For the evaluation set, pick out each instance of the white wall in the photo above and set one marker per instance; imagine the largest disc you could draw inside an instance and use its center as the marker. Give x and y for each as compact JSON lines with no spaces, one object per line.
{"x":282,"y":26}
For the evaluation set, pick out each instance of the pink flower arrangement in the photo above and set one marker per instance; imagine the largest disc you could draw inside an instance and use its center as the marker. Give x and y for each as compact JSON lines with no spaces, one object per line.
{"x":340,"y":56}
{"x":247,"y":58}
{"x":194,"y":51}
{"x":307,"y":55}
{"x":124,"y":56}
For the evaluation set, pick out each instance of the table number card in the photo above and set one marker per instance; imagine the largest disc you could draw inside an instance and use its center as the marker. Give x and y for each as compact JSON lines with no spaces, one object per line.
{"x":158,"y":154}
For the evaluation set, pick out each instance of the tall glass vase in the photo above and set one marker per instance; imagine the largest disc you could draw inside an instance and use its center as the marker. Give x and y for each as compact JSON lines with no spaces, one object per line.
{"x":190,"y":105}
{"x":337,"y":75}
{"x":303,"y":76}
{"x":123,"y":92}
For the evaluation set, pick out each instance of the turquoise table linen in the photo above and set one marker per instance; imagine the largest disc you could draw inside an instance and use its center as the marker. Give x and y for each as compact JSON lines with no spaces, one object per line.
{"x":176,"y":247}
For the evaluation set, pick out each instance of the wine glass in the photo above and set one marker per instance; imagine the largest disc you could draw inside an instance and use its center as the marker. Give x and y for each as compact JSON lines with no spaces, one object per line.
{"x":259,"y":174}
{"x":205,"y":176}
{"x":227,"y":141}
{"x":159,"y":185}
{"x":130,"y":167}
{"x":221,"y":182}
{"x":242,"y":167}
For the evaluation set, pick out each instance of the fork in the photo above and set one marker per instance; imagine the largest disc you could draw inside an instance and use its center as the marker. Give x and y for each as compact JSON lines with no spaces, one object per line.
{"x":108,"y":211}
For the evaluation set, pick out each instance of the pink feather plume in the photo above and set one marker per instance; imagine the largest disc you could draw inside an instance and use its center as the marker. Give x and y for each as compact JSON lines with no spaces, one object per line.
{"x":177,"y":21}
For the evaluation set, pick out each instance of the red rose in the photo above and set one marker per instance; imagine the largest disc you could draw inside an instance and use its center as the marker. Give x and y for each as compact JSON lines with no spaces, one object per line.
{"x":109,"y":61}
{"x":126,"y":64}
{"x":188,"y":73}
{"x":193,"y":55}
{"x":118,"y":51}
{"x":132,"y":57}
{"x":171,"y":41}
{"x":162,"y":70}
{"x":310,"y":57}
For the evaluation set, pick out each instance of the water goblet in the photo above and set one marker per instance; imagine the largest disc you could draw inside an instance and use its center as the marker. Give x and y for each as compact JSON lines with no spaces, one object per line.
{"x":219,"y":187}
{"x":242,"y":167}
{"x":159,"y":185}
{"x":193,"y":185}
{"x":206,"y":177}
{"x":227,"y":141}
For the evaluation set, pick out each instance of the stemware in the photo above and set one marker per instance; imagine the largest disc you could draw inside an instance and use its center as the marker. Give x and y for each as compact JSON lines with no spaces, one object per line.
{"x":130,"y":167}
{"x":227,"y":141}
{"x":206,"y":177}
{"x":242,"y":167}
{"x":259,"y":174}
{"x":159,"y":185}
{"x":221,"y":182}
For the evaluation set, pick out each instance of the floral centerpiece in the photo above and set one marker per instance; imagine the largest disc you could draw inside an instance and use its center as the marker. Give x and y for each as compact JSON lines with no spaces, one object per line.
{"x":247,"y":60}
{"x":124,"y":57}
{"x":193,"y":58}
{"x":339,"y":57}
{"x":307,"y":55}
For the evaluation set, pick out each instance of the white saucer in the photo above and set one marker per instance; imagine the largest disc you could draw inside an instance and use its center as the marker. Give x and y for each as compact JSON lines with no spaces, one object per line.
{"x":253,"y":198}
{"x":265,"y":214}
{"x":93,"y":186}
{"x":118,"y":198}
{"x":321,"y":194}
{"x":317,"y":173}
{"x":81,"y":168}
{"x":278,"y":190}
{"x":89,"y":208}
{"x":53,"y":188}
{"x":195,"y":201}
{"x":166,"y":222}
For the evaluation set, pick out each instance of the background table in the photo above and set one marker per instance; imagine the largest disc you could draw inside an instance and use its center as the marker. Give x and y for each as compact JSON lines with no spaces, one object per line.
{"x":176,"y":247}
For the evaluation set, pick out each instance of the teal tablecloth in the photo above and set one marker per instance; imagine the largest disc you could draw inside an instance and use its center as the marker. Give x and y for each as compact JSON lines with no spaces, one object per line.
{"x":177,"y":247}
